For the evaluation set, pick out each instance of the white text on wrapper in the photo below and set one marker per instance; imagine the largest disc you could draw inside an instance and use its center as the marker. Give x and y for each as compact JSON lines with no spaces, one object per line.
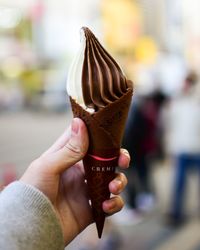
{"x":103,"y":169}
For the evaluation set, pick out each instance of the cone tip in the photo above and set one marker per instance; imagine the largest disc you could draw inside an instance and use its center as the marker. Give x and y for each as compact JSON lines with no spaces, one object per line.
{"x":100,"y":225}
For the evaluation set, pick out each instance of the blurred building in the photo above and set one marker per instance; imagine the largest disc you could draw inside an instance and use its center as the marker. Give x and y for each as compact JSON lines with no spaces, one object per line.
{"x":154,"y":16}
{"x":191,"y":32}
{"x":39,"y":39}
{"x":37,"y":42}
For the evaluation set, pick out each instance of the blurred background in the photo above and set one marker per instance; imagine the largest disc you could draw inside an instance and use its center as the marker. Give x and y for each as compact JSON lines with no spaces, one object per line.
{"x":157,"y":43}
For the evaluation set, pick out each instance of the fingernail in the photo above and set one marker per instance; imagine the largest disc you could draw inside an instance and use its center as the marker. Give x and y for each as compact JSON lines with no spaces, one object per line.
{"x":125,"y":151}
{"x":75,"y":126}
{"x":111,"y":205}
{"x":118,"y":184}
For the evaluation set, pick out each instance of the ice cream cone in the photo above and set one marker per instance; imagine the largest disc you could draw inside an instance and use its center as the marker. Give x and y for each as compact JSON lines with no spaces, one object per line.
{"x":105,"y":129}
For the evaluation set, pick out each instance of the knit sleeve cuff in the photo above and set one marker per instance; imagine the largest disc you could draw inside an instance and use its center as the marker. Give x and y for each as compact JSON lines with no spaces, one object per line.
{"x":30,"y":217}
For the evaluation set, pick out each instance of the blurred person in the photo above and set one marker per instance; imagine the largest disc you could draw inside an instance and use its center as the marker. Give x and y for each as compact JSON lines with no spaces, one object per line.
{"x":182,"y":121}
{"x":143,"y":141}
{"x":159,"y":99}
{"x":48,"y":207}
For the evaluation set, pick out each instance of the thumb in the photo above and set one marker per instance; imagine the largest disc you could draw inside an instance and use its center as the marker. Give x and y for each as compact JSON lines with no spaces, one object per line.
{"x":73,"y":151}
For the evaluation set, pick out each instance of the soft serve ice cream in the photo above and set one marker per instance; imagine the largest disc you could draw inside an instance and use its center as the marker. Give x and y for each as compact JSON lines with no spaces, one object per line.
{"x":100,"y":95}
{"x":95,"y":79}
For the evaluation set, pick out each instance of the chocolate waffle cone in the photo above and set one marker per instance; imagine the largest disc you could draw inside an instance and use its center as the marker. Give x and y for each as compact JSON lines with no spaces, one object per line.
{"x":105,"y":129}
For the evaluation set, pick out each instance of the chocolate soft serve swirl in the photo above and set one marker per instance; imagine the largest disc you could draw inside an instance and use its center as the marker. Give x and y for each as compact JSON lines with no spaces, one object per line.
{"x":95,"y":79}
{"x":102,"y":79}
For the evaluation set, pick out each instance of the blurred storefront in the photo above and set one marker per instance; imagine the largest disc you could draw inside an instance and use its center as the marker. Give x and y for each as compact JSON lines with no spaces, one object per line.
{"x":39,"y":38}
{"x":37,"y":42}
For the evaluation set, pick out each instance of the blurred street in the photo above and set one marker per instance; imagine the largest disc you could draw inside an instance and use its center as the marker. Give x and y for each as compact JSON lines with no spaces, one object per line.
{"x":25,"y":135}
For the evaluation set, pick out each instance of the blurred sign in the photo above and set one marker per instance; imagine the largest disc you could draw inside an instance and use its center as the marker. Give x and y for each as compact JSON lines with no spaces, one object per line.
{"x":146,"y":50}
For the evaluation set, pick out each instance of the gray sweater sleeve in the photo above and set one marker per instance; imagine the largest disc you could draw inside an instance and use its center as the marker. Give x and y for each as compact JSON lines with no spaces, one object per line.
{"x":28,"y":220}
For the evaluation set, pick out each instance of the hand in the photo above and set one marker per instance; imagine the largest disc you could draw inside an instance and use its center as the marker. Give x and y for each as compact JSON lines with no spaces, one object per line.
{"x":53,"y":174}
